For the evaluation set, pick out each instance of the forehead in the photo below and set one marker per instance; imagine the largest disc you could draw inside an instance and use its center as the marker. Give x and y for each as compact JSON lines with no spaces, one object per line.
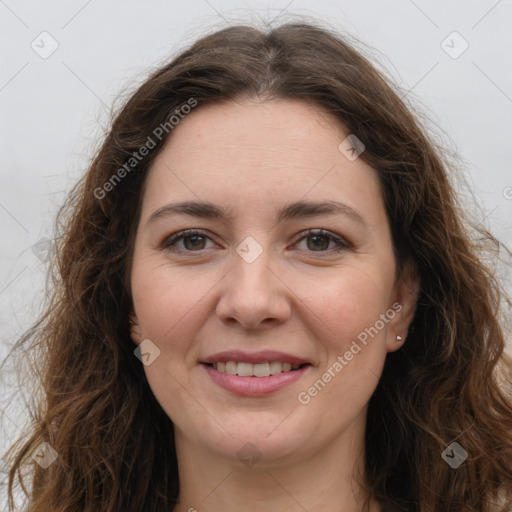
{"x":266,"y":129}
{"x":258,"y":151}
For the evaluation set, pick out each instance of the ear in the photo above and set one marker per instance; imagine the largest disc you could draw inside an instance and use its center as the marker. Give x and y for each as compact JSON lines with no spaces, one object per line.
{"x":405,"y":296}
{"x":135,"y":334}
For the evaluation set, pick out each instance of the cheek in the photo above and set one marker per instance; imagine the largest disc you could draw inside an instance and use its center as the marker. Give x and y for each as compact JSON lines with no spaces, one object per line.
{"x":349,"y":303}
{"x":166,"y":298}
{"x":354,"y":350}
{"x":168,"y":309}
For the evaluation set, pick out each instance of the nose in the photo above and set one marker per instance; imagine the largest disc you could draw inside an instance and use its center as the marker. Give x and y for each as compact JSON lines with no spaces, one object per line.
{"x":253,"y":295}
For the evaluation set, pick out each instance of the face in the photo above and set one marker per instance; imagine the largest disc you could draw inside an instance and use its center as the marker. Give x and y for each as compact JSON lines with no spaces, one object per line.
{"x":304,"y":297}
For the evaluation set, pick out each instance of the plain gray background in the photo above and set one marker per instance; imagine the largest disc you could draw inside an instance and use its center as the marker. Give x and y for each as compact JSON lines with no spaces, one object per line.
{"x":53,"y":107}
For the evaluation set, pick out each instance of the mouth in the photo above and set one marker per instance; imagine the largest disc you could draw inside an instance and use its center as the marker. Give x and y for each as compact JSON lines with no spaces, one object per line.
{"x":257,"y":374}
{"x":264,"y":369}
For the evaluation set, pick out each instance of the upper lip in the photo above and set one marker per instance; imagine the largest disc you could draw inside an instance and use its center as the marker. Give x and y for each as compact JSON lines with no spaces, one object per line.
{"x":254,"y":357}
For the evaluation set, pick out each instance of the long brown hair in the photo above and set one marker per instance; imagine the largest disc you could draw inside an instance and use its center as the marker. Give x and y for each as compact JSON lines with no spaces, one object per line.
{"x":115,"y":444}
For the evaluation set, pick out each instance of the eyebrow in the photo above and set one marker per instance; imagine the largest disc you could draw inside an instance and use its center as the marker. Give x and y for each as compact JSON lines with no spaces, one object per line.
{"x":295,"y":210}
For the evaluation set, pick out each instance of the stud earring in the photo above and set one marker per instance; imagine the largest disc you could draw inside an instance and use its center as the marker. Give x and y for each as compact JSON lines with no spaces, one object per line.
{"x":399,"y":338}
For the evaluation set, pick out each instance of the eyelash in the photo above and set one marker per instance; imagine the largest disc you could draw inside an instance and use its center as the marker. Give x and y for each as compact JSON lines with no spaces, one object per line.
{"x":343,"y":245}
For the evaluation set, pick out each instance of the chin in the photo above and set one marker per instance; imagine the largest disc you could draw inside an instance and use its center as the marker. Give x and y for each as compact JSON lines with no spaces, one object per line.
{"x":258,"y":438}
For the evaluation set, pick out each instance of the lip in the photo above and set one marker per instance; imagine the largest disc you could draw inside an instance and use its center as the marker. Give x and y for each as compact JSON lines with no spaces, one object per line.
{"x":254,"y":358}
{"x":255,"y":386}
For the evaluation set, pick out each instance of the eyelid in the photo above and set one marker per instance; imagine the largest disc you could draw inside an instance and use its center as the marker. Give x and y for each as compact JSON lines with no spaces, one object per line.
{"x":342,"y":243}
{"x":168,"y":241}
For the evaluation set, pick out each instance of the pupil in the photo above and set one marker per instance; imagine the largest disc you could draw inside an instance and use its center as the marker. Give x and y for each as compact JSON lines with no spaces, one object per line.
{"x":194,"y":237}
{"x":321,"y":246}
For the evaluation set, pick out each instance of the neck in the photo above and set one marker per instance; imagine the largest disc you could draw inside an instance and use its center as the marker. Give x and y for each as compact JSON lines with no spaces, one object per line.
{"x":325,"y":479}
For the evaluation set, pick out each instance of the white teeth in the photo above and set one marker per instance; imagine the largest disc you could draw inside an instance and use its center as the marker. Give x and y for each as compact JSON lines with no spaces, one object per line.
{"x":245,"y":369}
{"x":231,"y":368}
{"x":275,"y":367}
{"x":254,"y":370}
{"x":261,"y":369}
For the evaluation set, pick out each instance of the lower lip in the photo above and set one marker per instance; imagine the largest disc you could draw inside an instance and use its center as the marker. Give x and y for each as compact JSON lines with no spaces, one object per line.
{"x":255,"y":386}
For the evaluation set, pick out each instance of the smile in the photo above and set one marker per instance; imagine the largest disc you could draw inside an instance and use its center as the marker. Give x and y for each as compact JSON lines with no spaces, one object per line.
{"x":251,"y":385}
{"x":254,"y":374}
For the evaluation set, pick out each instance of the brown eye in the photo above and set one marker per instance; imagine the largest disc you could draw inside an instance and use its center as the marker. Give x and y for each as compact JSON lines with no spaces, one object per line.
{"x":193,"y":240}
{"x":319,"y":240}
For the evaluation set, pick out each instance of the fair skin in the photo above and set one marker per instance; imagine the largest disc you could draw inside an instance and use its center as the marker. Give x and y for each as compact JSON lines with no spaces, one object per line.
{"x":199,"y":297}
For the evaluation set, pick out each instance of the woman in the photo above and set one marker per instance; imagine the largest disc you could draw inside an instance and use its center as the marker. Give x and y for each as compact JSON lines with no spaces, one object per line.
{"x":268,"y":299}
